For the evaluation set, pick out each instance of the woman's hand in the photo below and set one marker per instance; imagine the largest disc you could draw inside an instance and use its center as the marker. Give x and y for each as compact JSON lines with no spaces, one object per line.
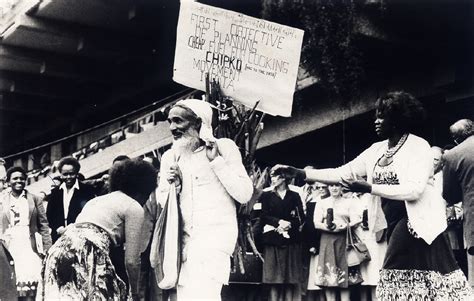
{"x":61,"y":230}
{"x":341,"y":227}
{"x":337,"y":227}
{"x":331,"y":227}
{"x":285,"y":225}
{"x":289,"y":170}
{"x":358,"y":185}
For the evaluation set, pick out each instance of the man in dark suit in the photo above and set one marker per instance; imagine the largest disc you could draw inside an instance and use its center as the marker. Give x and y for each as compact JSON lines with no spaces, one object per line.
{"x":458,"y":182}
{"x":66,"y":201}
{"x":7,"y":275}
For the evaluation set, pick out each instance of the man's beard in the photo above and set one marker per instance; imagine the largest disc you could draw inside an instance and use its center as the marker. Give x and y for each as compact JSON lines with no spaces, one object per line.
{"x":186,"y":144}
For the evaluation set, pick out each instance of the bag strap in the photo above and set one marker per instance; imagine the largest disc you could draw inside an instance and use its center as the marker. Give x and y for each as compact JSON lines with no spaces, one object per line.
{"x":300,"y":220}
{"x":349,"y":238}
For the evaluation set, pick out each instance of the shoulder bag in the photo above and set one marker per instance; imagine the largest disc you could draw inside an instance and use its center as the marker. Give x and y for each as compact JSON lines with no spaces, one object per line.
{"x":357,"y":252}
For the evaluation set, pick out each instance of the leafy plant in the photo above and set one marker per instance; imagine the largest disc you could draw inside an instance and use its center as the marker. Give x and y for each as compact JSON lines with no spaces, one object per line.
{"x":245,"y":127}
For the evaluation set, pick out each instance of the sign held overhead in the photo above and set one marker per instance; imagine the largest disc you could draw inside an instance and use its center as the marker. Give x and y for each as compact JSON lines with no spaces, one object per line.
{"x":252,"y":59}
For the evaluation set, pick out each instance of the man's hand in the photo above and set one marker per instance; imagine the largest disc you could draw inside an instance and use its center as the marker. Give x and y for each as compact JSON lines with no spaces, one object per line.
{"x":174,"y":175}
{"x":358,"y":185}
{"x":6,"y":237}
{"x":212,"y":151}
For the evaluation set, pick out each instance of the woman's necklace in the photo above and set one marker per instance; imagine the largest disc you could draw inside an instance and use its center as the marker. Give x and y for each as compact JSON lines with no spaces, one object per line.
{"x":392,"y":151}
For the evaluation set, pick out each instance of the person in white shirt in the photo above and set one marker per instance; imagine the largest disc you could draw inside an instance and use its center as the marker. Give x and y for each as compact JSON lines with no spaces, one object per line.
{"x":419,"y":263}
{"x":3,"y":174}
{"x":24,"y":230}
{"x":210,"y":176}
{"x":78,"y":266}
{"x":308,"y":191}
{"x":66,"y":201}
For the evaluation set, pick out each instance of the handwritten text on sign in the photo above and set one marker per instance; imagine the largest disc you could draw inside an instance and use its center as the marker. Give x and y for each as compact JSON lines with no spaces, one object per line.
{"x":252,"y":59}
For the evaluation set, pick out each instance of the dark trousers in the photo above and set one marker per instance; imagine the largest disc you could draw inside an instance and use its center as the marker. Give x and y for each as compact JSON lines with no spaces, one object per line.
{"x":7,"y":275}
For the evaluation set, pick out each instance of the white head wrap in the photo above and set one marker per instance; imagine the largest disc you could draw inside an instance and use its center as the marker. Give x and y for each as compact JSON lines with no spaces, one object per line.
{"x":202,"y":110}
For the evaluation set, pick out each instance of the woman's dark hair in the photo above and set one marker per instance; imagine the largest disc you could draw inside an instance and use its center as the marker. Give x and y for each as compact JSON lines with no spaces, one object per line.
{"x":132,"y":177}
{"x":69,"y":161}
{"x":120,"y":158}
{"x":403,"y":110}
{"x":154,"y":161}
{"x":285,"y":175}
{"x":13,"y":169}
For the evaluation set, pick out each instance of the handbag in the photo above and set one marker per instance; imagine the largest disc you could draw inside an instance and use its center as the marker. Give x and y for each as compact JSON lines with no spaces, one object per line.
{"x":357,"y":251}
{"x":165,"y":254}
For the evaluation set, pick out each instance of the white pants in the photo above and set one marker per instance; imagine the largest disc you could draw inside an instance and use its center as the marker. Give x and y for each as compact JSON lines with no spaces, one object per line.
{"x":201,"y":289}
{"x":202,"y":274}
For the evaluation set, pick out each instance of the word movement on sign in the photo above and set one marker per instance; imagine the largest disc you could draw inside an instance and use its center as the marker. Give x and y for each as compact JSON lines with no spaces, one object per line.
{"x":252,"y":59}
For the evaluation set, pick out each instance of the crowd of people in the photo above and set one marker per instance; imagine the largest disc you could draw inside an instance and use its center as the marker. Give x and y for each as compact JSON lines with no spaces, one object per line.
{"x":395,"y":223}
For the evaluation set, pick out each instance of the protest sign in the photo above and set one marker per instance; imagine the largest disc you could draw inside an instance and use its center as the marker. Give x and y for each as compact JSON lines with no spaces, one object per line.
{"x":252,"y":59}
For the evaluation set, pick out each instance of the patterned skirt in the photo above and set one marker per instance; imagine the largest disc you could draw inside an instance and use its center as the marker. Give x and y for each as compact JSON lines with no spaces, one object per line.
{"x":414,"y":270}
{"x":332,"y":269}
{"x":78,"y":267}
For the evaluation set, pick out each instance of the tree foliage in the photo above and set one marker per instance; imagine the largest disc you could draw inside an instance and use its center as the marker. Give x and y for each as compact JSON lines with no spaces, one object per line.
{"x":330,"y":50}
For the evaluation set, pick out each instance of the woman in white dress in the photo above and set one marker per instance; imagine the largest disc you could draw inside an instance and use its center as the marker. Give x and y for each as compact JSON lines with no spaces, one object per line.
{"x":377,"y":248}
{"x":333,"y":216}
{"x":25,"y":232}
{"x":321,"y":191}
{"x":419,"y":263}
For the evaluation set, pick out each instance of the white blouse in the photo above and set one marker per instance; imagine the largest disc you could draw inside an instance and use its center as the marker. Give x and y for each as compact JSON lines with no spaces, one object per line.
{"x":19,"y":210}
{"x":413,"y":164}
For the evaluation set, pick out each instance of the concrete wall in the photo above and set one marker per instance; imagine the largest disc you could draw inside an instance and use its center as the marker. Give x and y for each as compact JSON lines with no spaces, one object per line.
{"x":312,"y":110}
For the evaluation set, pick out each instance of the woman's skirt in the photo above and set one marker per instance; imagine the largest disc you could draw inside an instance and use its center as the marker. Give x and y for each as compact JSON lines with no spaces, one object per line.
{"x":414,"y":270}
{"x":332,"y":269}
{"x":78,"y":267}
{"x":283,"y":264}
{"x":27,"y":262}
